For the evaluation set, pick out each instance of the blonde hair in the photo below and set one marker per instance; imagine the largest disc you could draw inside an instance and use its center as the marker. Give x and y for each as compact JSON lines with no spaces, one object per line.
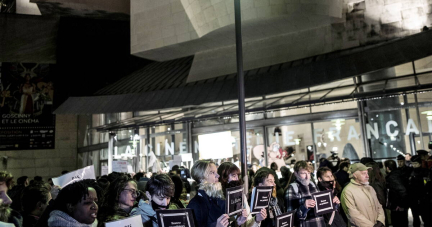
{"x":200,"y":170}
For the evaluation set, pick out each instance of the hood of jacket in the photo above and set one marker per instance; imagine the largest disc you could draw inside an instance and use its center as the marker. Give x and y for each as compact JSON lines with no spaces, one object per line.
{"x":146,"y":211}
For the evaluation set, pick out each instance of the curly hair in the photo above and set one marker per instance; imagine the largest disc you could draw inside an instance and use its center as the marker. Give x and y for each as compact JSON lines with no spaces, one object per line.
{"x":74,"y":193}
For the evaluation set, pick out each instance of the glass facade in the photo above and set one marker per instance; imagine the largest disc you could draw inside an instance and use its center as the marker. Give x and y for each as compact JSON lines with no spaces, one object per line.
{"x":377,"y":127}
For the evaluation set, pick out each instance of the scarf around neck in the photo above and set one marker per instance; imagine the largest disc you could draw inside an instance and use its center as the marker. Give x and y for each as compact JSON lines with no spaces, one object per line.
{"x":61,"y":219}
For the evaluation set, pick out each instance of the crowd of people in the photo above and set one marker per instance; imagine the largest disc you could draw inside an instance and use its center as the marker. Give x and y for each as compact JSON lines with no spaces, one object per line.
{"x":366,"y":194}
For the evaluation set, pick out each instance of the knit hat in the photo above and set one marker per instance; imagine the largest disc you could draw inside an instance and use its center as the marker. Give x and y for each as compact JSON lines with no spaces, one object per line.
{"x":400,"y":157}
{"x":357,"y":167}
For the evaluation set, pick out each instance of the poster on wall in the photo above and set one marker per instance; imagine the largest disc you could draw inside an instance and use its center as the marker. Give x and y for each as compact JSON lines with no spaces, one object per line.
{"x":26,"y":106}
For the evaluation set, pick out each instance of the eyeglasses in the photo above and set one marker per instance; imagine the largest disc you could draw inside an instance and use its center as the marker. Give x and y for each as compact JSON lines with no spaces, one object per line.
{"x":133,"y":192}
{"x":270,"y":181}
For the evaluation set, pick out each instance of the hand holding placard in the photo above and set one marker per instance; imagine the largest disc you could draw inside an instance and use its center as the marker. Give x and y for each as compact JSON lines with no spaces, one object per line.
{"x":324,"y":202}
{"x":260,"y":198}
{"x":310,"y":203}
{"x":222,"y":221}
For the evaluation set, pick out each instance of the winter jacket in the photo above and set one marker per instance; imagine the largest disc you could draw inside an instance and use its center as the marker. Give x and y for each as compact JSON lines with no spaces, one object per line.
{"x":295,"y":198}
{"x":147,"y":213}
{"x":15,"y":218}
{"x":361,"y":205}
{"x":416,"y":186}
{"x":61,"y":219}
{"x":206,"y":209}
{"x":397,"y":193}
{"x":335,"y":217}
{"x":342,"y":178}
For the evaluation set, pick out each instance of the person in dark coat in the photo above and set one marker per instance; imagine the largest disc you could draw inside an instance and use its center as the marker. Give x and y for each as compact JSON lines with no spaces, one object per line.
{"x":35,"y":199}
{"x":397,"y":194}
{"x":342,"y":176}
{"x":287,"y":177}
{"x":208,"y":205}
{"x":417,"y":192}
{"x":404,"y":168}
{"x":326,"y":181}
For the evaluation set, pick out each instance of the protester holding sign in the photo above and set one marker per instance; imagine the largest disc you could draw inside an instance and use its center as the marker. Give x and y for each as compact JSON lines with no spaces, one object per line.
{"x":75,"y":206}
{"x":229,"y":177}
{"x":326,"y":181}
{"x":298,"y":197}
{"x":159,"y":190}
{"x":119,"y":199}
{"x":264,"y":177}
{"x":208,"y":205}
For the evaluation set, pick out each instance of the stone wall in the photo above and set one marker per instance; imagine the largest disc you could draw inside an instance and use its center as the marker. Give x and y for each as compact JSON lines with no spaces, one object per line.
{"x":46,"y":163}
{"x":273,"y":31}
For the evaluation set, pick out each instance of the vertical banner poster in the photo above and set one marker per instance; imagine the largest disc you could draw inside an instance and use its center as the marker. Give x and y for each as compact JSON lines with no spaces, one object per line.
{"x":234,"y":200}
{"x":323,"y":202}
{"x":260,"y":198}
{"x":26,"y":106}
{"x":175,"y":218}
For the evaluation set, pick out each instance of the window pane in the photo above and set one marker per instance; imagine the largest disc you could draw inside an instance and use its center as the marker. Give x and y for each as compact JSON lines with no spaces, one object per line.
{"x":341,"y":136}
{"x":423,"y":65}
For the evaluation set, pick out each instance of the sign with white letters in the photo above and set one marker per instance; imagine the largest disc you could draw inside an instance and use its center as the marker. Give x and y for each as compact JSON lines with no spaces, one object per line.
{"x":324,"y":202}
{"x":77,"y":175}
{"x":134,"y":221}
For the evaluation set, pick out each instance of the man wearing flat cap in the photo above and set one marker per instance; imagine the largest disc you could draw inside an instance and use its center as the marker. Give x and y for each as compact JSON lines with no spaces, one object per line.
{"x":360,"y":201}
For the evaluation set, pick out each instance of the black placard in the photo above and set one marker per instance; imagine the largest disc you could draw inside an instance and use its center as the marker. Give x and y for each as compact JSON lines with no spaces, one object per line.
{"x":234,"y":200}
{"x":175,"y":218}
{"x":260,"y":198}
{"x":285,"y":219}
{"x":324,"y":202}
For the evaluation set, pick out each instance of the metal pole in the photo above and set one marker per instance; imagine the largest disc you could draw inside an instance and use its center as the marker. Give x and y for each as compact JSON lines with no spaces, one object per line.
{"x":241,"y":92}
{"x":363,"y":128}
{"x":419,"y":121}
{"x":313,"y":147}
{"x":110,"y":151}
{"x":363,"y":122}
{"x":266,"y":144}
{"x":411,"y":135}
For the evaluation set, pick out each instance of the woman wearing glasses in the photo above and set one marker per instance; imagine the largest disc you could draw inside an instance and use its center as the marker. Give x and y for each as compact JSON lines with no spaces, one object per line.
{"x":119,"y":200}
{"x":159,"y":190}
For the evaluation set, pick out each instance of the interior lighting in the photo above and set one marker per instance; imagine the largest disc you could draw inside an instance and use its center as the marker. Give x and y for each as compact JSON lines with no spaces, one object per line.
{"x":428,"y":114}
{"x":297,"y":141}
{"x":338,"y":123}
